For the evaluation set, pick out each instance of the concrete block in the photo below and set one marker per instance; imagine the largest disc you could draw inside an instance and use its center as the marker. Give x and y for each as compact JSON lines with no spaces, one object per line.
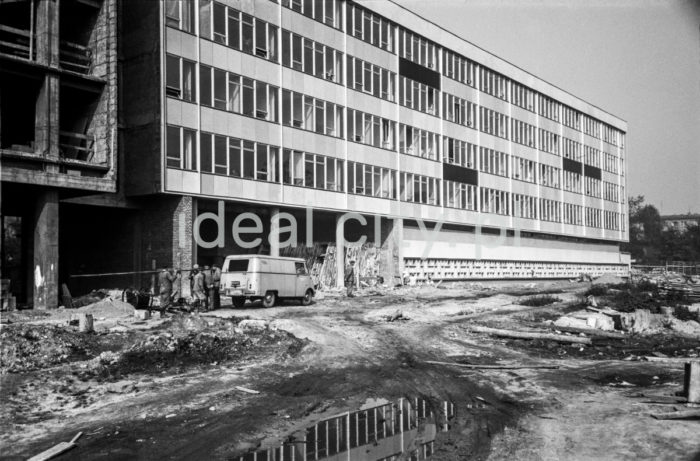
{"x":142,"y":314}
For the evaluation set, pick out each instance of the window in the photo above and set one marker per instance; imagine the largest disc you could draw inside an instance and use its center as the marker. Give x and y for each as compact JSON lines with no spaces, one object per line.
{"x":549,"y":108}
{"x":493,"y":122}
{"x":417,"y":49}
{"x":549,"y":142}
{"x":180,"y":14}
{"x":571,"y":149}
{"x":550,"y":210}
{"x":308,"y":113}
{"x":592,"y":187}
{"x":524,"y":206}
{"x":493,"y":162}
{"x":459,"y":68}
{"x":571,"y":118}
{"x":173,"y":85}
{"x":493,"y":83}
{"x":419,"y":189}
{"x":459,"y":195}
{"x":181,"y":148}
{"x":173,"y":147}
{"x":369,"y":27}
{"x":419,"y":142}
{"x":371,"y":129}
{"x":523,"y":133}
{"x":572,"y":214}
{"x":523,"y":169}
{"x":495,"y":201}
{"x":572,"y":182}
{"x":312,"y":170}
{"x":311,"y":57}
{"x":458,"y":152}
{"x":237,"y":94}
{"x":523,"y":96}
{"x":549,"y":176}
{"x":459,"y":110}
{"x":418,"y":96}
{"x":237,"y":30}
{"x":180,"y":78}
{"x":371,"y":180}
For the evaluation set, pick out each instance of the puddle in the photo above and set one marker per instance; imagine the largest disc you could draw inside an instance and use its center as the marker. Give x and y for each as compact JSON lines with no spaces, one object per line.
{"x":379,"y":431}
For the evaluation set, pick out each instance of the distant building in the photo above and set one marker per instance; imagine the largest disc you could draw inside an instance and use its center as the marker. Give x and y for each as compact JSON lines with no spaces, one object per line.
{"x":680,"y":222}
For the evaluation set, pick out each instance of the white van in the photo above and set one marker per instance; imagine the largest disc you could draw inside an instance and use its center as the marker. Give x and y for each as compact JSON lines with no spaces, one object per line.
{"x":268,"y":278}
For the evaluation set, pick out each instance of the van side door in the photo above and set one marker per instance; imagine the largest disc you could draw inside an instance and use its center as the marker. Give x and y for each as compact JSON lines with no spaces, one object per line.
{"x":303,"y":279}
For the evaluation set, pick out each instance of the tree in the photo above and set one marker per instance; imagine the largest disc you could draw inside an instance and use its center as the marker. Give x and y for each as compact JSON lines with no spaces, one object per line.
{"x":645,"y":231}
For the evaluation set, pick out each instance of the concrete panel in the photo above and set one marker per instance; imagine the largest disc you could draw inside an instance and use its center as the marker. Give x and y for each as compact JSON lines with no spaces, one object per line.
{"x":191,"y":182}
{"x":373,"y":156}
{"x":173,"y":180}
{"x":425,"y":167}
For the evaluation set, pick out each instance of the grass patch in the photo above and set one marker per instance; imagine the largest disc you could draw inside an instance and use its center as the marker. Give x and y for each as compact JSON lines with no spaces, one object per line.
{"x":537,"y":301}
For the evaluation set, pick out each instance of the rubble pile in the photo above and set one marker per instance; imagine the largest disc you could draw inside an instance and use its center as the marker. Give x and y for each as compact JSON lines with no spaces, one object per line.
{"x":26,"y":347}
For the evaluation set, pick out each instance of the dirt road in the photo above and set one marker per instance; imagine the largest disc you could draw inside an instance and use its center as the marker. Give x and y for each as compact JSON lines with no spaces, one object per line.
{"x":352,"y":355}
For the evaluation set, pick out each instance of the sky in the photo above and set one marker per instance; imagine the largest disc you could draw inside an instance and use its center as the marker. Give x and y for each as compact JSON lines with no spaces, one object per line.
{"x":636,"y":59}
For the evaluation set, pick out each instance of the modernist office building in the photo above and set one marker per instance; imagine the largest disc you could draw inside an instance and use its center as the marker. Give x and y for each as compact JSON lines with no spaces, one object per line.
{"x":476,"y":168}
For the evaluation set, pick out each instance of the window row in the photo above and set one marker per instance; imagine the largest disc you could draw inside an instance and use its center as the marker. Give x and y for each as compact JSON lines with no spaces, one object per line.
{"x":417,"y":49}
{"x":493,"y":122}
{"x":458,"y":110}
{"x":419,"y":189}
{"x":418,"y":96}
{"x":371,"y":129}
{"x":523,"y":133}
{"x":460,"y":195}
{"x":572,"y":214}
{"x":234,"y":93}
{"x":549,"y":176}
{"x":370,"y":27}
{"x":611,"y":220}
{"x":419,"y":142}
{"x":523,"y":169}
{"x":181,"y":148}
{"x":371,"y":180}
{"x":459,"y":68}
{"x":549,"y":142}
{"x":458,"y":152}
{"x":493,"y":83}
{"x":328,"y":12}
{"x":493,"y":162}
{"x":548,"y":108}
{"x":593,"y":217}
{"x":311,"y":57}
{"x":571,"y":149}
{"x":370,"y":78}
{"x":550,"y":210}
{"x":313,"y":114}
{"x":610,"y":135}
{"x":524,"y":206}
{"x":592,"y":187}
{"x":237,"y":30}
{"x":572,"y":182}
{"x":523,"y":96}
{"x":495,"y":201}
{"x":312,"y":170}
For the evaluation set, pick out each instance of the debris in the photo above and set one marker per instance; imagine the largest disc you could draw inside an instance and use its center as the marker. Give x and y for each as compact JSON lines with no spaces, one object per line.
{"x":608,"y":279}
{"x":171,"y":415}
{"x":495,"y":367}
{"x":56,"y":449}
{"x":245,"y":389}
{"x":250,"y":324}
{"x":530,"y":335}
{"x":669,"y":359}
{"x":587,"y":331}
{"x":142,"y":314}
{"x":681,"y":414}
{"x":398,"y":315}
{"x":85,"y":322}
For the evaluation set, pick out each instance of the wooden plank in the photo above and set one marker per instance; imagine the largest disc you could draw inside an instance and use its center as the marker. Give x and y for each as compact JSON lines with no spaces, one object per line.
{"x":589,"y":331}
{"x":53,"y":451}
{"x":671,"y":359}
{"x":245,"y":389}
{"x":681,"y":414}
{"x":530,"y":335}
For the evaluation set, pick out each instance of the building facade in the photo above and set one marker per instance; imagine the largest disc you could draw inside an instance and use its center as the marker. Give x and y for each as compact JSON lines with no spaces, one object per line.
{"x":680,"y":222}
{"x":354,"y":119}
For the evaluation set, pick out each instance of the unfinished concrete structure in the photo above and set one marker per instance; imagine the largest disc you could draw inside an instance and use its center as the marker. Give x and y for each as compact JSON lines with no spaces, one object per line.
{"x":276,"y":106}
{"x":58,"y":130}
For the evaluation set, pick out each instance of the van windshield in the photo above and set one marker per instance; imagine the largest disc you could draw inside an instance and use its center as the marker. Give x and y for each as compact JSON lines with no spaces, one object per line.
{"x":237,"y":265}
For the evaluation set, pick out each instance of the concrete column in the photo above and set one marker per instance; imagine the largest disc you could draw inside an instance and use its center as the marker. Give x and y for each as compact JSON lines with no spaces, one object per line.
{"x":391,"y":259}
{"x":47,"y":28}
{"x":45,"y":277}
{"x":184,"y":248}
{"x":274,"y":236}
{"x":46,"y":122}
{"x":339,"y":251}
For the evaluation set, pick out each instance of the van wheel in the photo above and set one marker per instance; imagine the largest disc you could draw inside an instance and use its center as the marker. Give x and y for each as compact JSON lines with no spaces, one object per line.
{"x":308,"y":297}
{"x":238,"y":302}
{"x":270,"y":299}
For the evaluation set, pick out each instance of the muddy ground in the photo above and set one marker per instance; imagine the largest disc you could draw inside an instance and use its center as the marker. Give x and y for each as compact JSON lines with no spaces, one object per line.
{"x":166,"y":389}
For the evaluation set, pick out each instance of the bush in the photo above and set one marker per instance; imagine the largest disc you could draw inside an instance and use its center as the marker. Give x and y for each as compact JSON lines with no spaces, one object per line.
{"x":597,"y":290}
{"x":536,"y":301}
{"x":683,"y":313}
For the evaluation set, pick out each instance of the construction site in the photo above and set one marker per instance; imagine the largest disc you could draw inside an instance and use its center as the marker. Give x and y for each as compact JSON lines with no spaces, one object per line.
{"x":320,"y":230}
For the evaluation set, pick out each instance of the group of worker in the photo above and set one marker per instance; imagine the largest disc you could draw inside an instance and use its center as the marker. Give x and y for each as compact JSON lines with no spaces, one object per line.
{"x":204,"y":285}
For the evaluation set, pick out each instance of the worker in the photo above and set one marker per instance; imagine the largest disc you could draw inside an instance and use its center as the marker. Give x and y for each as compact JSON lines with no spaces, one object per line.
{"x":177,"y":288}
{"x":165,"y":283}
{"x":200,"y":299}
{"x":208,"y":282}
{"x":215,"y":286}
{"x":350,"y":279}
